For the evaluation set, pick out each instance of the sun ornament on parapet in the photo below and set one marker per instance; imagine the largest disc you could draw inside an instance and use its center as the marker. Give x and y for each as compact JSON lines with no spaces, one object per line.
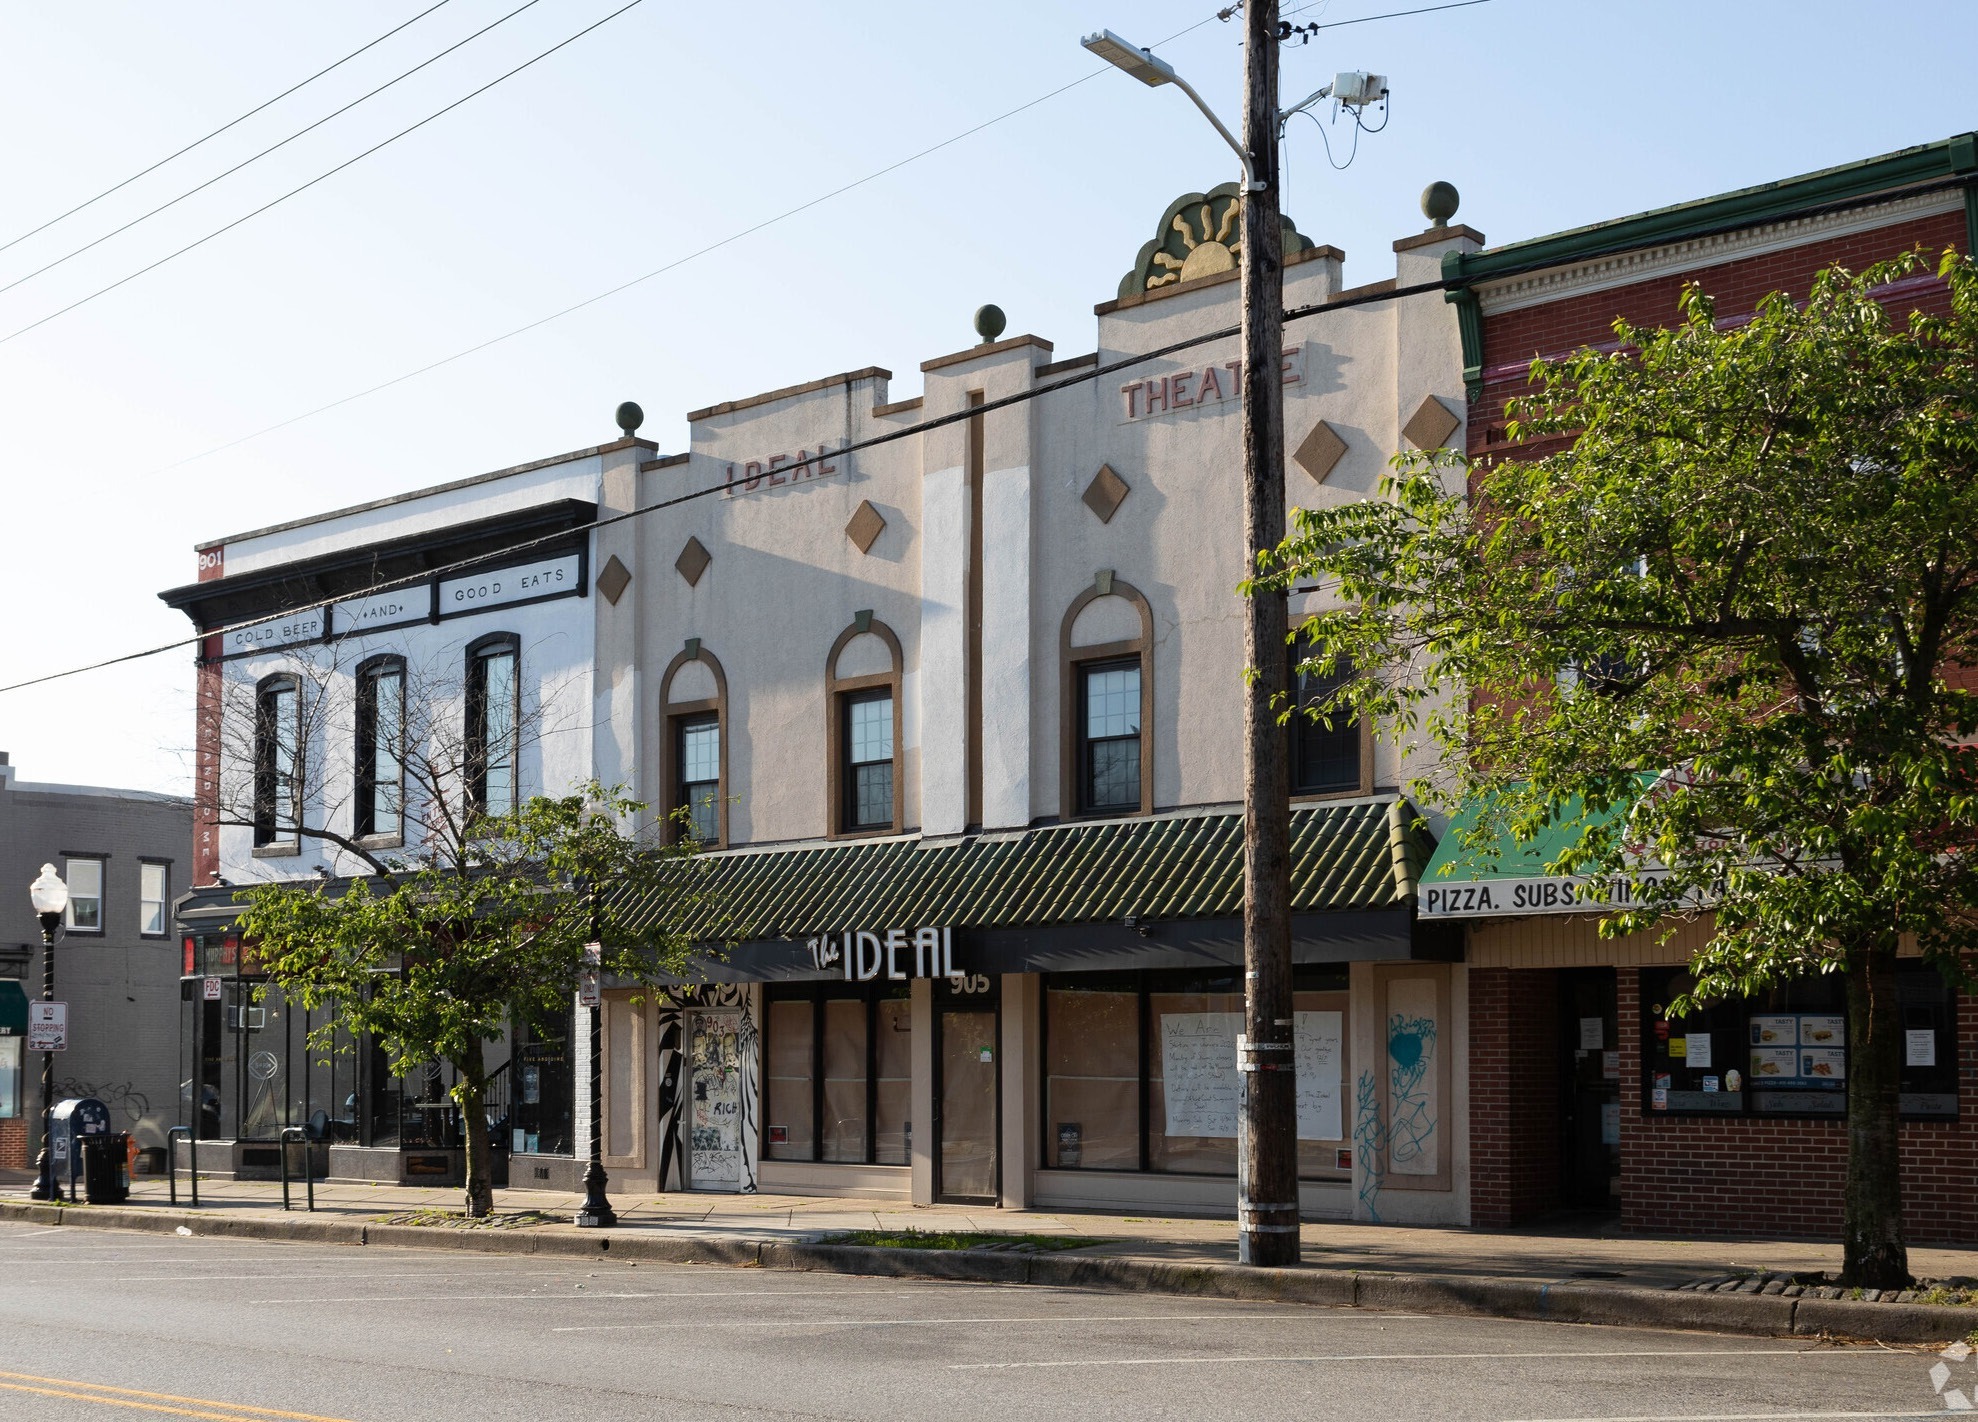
{"x":1200,"y":235}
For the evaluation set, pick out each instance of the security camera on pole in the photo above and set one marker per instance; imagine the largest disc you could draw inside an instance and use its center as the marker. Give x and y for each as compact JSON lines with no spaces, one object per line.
{"x":1267,"y":1121}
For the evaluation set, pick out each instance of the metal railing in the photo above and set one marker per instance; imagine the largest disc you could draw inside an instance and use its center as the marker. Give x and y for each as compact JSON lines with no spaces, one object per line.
{"x":172,"y":1162}
{"x":296,"y":1135}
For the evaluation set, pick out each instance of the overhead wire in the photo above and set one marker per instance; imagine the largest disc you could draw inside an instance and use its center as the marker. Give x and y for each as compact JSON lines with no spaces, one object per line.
{"x":717,"y":245}
{"x":320,"y":177}
{"x":256,"y":158}
{"x":854,"y":447}
{"x":658,"y":271}
{"x":230,"y":123}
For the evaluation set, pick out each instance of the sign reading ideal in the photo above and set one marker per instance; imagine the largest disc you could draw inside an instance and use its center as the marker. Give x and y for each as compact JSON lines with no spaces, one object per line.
{"x":863,"y":954}
{"x":47,"y":1026}
{"x":759,"y":474}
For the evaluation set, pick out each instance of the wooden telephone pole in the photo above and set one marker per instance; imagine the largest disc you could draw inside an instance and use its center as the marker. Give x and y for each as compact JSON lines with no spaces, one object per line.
{"x":1267,"y":1130}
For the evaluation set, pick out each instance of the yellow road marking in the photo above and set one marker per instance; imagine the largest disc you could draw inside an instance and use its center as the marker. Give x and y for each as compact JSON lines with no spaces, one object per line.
{"x":151,"y":1401}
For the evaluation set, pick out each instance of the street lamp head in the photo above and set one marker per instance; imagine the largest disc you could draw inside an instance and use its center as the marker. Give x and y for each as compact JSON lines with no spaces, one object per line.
{"x":1123,"y":54}
{"x":50,"y":894}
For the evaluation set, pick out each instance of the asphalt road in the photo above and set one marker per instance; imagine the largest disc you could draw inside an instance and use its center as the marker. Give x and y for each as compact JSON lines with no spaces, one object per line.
{"x":96,"y":1325}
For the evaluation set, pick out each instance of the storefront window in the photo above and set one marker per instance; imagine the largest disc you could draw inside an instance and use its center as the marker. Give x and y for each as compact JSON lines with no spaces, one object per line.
{"x":541,"y":1091}
{"x":1140,"y":1071}
{"x":1785,"y":1052}
{"x":10,"y":1076}
{"x":839,"y":1073}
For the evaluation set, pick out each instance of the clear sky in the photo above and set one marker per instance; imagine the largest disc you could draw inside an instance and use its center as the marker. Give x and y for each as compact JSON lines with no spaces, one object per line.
{"x":670,"y":128}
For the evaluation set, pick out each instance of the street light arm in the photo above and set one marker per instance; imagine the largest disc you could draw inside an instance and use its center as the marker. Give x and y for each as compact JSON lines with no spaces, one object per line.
{"x":1303,"y":104}
{"x":1250,"y":184}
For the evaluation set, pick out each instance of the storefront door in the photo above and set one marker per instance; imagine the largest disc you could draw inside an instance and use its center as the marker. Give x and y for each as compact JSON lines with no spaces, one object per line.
{"x":1590,"y":1074}
{"x":966,"y":1095}
{"x":714,"y":1122}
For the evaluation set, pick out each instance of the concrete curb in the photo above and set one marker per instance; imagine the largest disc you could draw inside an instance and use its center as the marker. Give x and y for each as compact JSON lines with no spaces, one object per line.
{"x":1763,"y":1315}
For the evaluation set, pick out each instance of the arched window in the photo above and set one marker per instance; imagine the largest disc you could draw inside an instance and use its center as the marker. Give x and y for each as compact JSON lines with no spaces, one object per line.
{"x":693,"y":716}
{"x":277,"y":763}
{"x":379,"y":807}
{"x":862,"y":686}
{"x":1106,"y":687}
{"x":494,"y":722}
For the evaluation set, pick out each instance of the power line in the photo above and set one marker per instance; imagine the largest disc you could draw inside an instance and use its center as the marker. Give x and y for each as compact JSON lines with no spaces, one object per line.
{"x":102,"y":291}
{"x":680,"y":261}
{"x":1390,"y":15}
{"x":174,"y":202}
{"x":870,"y":442}
{"x":230,"y":123}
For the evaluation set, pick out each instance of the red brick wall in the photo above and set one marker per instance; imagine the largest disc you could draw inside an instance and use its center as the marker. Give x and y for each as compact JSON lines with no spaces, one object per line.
{"x":1512,"y":338}
{"x":1514,"y":1095}
{"x":13,"y":1143}
{"x":1690,"y":1175}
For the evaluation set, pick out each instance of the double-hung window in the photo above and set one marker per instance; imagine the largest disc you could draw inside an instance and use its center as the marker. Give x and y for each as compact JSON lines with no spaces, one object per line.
{"x":277,"y":763}
{"x":154,"y":887}
{"x":380,"y":809}
{"x":866,"y":732}
{"x":697,"y":773}
{"x":494,"y":716}
{"x":85,"y":880}
{"x":1109,"y":737}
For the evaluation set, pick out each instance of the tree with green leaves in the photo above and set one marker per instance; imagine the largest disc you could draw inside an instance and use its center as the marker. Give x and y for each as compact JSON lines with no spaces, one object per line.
{"x":436,"y":958}
{"x":1738,"y":559}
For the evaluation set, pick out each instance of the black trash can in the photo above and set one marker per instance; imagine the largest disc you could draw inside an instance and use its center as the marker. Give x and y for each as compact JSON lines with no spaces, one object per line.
{"x":106,"y":1168}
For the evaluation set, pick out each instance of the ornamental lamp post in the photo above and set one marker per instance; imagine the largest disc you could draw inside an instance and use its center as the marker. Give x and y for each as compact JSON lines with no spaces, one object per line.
{"x":51,"y":900}
{"x":596,"y":1211}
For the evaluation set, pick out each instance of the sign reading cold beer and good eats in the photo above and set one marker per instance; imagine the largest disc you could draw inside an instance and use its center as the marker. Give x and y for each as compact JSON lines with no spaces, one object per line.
{"x":1209,"y":385}
{"x":865,"y":955}
{"x":382,"y":610}
{"x":754,"y":476}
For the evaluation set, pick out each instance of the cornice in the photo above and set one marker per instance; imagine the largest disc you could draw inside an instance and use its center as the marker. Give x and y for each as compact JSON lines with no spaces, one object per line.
{"x":1628,"y":268}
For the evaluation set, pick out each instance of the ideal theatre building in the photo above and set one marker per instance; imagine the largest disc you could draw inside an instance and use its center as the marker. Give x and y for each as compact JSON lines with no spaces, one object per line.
{"x":958,"y":715}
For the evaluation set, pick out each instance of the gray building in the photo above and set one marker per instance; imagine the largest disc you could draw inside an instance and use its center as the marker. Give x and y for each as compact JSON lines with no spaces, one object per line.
{"x":124,"y":855}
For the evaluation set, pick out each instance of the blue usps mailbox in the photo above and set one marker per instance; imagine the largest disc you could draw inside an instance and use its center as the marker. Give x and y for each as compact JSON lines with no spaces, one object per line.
{"x":71,"y":1120}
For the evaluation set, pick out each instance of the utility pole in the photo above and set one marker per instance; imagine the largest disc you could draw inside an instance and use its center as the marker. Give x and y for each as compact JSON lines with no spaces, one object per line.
{"x":1267,"y":1129}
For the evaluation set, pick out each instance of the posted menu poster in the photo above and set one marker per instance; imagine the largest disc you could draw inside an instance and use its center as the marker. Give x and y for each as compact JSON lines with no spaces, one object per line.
{"x":1201,"y":1085}
{"x":1774,"y":1064}
{"x":1823,"y":1032}
{"x":1818,"y":1064}
{"x":1774,"y":1032}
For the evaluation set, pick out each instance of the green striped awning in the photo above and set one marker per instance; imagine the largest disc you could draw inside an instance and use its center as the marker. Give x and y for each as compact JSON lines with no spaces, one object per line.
{"x":1358,"y":855}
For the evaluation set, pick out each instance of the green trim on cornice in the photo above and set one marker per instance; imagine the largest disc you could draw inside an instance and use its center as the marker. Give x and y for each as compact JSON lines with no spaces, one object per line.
{"x":1469,"y":326}
{"x":1946,"y":158}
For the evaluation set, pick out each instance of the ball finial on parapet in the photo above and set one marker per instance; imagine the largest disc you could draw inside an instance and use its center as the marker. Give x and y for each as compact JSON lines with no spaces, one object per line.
{"x":630,"y":417}
{"x":989,"y":323}
{"x":1439,"y":201}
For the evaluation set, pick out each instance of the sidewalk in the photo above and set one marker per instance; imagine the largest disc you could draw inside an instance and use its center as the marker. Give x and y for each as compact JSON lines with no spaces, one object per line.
{"x":1590,"y":1250}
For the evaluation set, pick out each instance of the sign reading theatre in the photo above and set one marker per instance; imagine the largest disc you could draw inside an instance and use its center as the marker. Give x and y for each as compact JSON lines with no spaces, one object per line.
{"x":1190,"y":389}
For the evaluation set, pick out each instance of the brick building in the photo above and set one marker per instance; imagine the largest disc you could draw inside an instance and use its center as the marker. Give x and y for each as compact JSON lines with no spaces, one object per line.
{"x":1581,"y":1092}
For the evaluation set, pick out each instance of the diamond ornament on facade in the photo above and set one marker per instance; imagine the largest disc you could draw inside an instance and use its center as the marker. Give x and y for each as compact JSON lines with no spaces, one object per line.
{"x":1431,"y":425}
{"x":865,"y":527}
{"x":693,"y":561}
{"x":1320,"y":451}
{"x":1106,"y":493}
{"x":613,"y":581}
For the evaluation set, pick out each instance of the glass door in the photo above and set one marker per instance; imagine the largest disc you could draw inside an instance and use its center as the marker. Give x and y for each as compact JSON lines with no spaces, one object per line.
{"x":714,"y":1086}
{"x":1590,"y":1153}
{"x":967,"y":1095}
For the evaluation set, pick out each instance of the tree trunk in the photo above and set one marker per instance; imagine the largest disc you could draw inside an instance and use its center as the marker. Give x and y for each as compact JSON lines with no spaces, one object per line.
{"x":472,"y":1096}
{"x":1874,"y":1254}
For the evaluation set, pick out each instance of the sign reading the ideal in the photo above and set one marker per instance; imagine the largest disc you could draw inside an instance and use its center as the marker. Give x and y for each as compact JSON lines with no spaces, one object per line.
{"x":865,"y":955}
